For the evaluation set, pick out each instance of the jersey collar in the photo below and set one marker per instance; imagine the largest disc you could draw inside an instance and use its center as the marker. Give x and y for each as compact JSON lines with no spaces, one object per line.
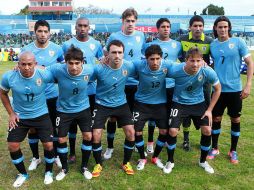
{"x":202,"y":36}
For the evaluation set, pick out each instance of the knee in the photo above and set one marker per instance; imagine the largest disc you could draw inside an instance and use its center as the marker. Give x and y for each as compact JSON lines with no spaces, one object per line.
{"x":217,"y":119}
{"x":173,"y":132}
{"x":206,"y":131}
{"x":87,"y":136}
{"x":235,"y":120}
{"x":48,"y":146}
{"x":13,"y":147}
{"x":130,"y":134}
{"x":62,"y":140}
{"x":163,"y":131}
{"x":96,"y":136}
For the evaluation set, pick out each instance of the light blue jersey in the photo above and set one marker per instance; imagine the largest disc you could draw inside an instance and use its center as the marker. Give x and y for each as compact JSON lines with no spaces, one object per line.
{"x":91,"y":49}
{"x":47,"y":56}
{"x":152,"y":84}
{"x":73,"y":95}
{"x":111,"y":83}
{"x":189,"y":88}
{"x":29,"y":100}
{"x":227,"y":62}
{"x":171,"y":51}
{"x":133,"y":45}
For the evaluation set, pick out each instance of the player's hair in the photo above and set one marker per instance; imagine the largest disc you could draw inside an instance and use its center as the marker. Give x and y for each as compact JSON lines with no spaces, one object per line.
{"x":41,"y":23}
{"x":153,"y":49}
{"x":161,"y":20}
{"x":73,"y":53}
{"x":193,"y":51}
{"x":117,"y":43}
{"x":129,"y":12}
{"x":81,"y":18}
{"x":220,"y":19}
{"x":196,"y":18}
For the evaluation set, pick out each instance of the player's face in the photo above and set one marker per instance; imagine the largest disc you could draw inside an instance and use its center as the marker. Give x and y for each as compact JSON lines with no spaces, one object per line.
{"x":154,"y":61}
{"x":74,"y":67}
{"x":115,"y":55}
{"x":129,"y":24}
{"x":82,"y":28}
{"x":26,"y":65}
{"x":42,"y":34}
{"x":197,"y":29}
{"x":164,"y":30}
{"x":222,"y":29}
{"x":193,"y":64}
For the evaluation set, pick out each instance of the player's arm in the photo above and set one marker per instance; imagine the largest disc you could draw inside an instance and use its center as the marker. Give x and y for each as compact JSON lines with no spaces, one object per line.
{"x":214,"y":99}
{"x":247,"y":89}
{"x":13,"y":117}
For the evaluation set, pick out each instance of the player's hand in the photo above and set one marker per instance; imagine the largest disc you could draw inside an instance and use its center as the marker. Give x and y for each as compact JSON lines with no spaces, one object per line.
{"x":13,"y":119}
{"x":104,"y":60}
{"x":245,"y":92}
{"x":209,"y":115}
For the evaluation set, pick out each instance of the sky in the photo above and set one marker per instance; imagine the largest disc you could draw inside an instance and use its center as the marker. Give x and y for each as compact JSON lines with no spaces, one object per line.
{"x":172,"y":7}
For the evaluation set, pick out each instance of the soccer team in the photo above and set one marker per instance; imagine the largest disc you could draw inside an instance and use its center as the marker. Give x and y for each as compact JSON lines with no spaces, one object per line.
{"x":134,"y":82}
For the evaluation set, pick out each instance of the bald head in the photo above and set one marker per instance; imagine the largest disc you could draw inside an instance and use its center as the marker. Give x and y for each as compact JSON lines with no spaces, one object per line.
{"x":82,"y":19}
{"x":27,"y":63}
{"x":82,"y":28}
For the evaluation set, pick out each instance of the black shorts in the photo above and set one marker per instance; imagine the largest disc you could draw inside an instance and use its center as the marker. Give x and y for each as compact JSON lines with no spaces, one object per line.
{"x":41,"y":124}
{"x":154,"y":112}
{"x":170,"y":92}
{"x":51,"y":104}
{"x":92,"y":102}
{"x":65,"y":120}
{"x":180,"y":111}
{"x":121,"y":113}
{"x":231,"y":101}
{"x":130,"y":91}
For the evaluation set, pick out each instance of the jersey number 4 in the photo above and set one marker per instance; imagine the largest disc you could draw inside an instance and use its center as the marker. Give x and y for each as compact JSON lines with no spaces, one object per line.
{"x":131,"y":53}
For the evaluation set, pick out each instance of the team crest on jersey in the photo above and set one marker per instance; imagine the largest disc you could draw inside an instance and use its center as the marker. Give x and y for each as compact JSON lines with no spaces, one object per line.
{"x":231,"y":46}
{"x":39,"y":82}
{"x":125,"y":72}
{"x":174,"y":45}
{"x":200,"y":78}
{"x":51,"y":53}
{"x":138,"y":39}
{"x":165,"y":70}
{"x":92,"y":46}
{"x":86,"y":77}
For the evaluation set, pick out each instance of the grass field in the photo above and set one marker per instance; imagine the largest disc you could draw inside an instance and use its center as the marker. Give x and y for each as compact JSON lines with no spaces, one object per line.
{"x":185,"y":175}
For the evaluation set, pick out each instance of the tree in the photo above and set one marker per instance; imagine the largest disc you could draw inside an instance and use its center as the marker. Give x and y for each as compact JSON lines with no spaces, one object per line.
{"x":91,"y":9}
{"x":213,"y":10}
{"x":24,"y":11}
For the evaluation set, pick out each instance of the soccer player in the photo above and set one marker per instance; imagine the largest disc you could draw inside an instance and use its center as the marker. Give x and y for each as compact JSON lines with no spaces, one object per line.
{"x":29,"y":111}
{"x":46,"y":53}
{"x":150,"y":100}
{"x":228,"y":53}
{"x":171,"y":50}
{"x":73,"y":106}
{"x":188,"y":101}
{"x":92,"y":50}
{"x":195,"y":38}
{"x":133,"y":43}
{"x":110,"y":101}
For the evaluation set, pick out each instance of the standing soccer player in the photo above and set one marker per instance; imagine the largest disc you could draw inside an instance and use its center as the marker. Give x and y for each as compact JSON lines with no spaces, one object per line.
{"x":195,"y":38}
{"x":150,"y":99}
{"x":46,"y":53}
{"x":73,"y":106}
{"x":228,"y":53}
{"x":111,"y":102}
{"x":29,"y":111}
{"x":189,"y":101}
{"x":133,"y":43}
{"x":92,"y":50}
{"x":171,"y":50}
